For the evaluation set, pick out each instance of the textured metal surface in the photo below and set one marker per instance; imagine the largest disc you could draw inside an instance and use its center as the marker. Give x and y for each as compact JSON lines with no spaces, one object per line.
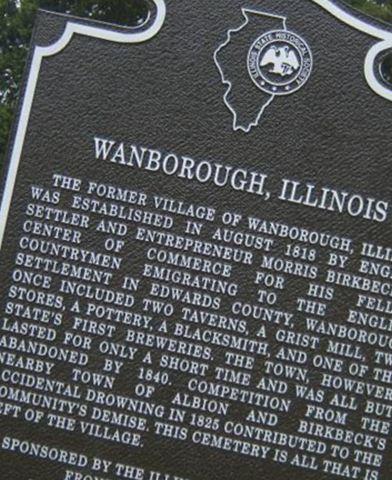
{"x":167,"y":93}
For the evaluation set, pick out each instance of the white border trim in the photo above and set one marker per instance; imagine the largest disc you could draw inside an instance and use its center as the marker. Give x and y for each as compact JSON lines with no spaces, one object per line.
{"x":71,"y":29}
{"x":341,"y":14}
{"x":373,"y":31}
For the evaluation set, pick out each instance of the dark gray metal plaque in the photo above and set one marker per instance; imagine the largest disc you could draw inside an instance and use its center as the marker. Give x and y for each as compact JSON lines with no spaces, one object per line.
{"x":196,"y":258}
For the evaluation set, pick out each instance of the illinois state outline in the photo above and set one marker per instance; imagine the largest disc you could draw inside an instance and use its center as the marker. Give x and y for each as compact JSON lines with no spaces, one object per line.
{"x":246,"y":102}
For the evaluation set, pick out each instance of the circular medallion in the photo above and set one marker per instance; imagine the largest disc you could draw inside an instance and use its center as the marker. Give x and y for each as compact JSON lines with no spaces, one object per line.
{"x":280,"y":62}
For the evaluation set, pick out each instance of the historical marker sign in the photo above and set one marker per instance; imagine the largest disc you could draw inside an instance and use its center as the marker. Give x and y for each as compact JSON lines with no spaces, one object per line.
{"x":196,"y":263}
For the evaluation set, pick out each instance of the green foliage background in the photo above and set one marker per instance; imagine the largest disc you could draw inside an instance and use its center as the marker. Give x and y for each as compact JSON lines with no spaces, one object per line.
{"x":16,"y":22}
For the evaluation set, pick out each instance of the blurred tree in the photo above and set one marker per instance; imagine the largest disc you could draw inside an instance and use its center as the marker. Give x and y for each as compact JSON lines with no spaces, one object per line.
{"x":123,"y":12}
{"x":16,"y":23}
{"x":17,"y":18}
{"x":376,"y":8}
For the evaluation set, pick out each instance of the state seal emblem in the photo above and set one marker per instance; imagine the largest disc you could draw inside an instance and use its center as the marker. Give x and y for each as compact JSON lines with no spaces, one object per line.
{"x":261,"y":61}
{"x":280,"y":62}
